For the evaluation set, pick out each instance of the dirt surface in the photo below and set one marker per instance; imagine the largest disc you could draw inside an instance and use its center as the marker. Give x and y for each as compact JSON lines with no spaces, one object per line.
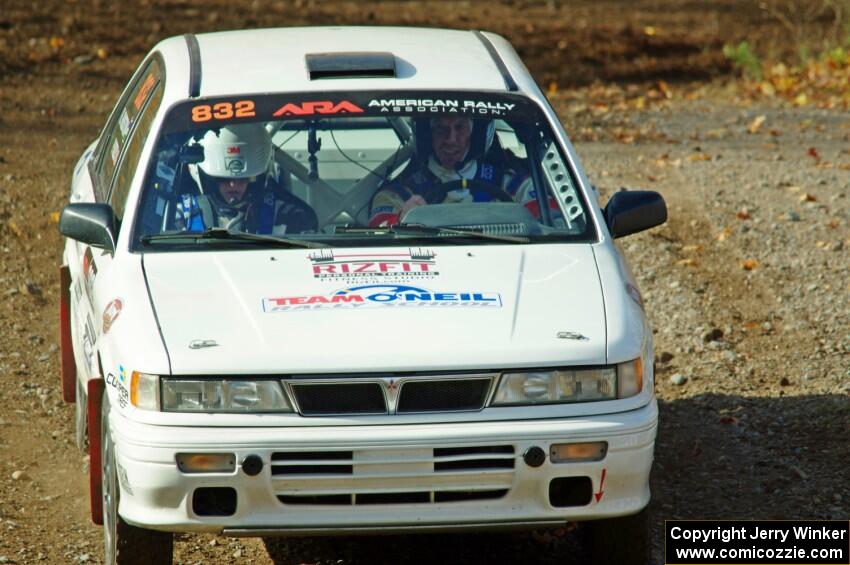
{"x":747,"y":284}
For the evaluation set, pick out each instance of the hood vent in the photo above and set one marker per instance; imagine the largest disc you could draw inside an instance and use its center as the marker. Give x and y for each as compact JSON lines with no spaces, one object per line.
{"x":351,"y":65}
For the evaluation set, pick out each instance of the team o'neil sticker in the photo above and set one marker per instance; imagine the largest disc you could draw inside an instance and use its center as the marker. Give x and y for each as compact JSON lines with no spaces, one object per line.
{"x":384,"y":296}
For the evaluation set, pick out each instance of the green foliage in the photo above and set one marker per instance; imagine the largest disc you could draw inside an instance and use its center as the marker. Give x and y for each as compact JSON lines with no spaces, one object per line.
{"x":839,"y":56}
{"x":803,"y":54}
{"x":744,"y":59}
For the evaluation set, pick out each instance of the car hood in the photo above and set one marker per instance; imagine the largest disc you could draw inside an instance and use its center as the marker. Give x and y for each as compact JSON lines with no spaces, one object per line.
{"x":357,"y":310}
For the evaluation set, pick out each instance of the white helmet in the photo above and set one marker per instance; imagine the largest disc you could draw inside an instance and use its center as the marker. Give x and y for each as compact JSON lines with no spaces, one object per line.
{"x":238,"y":151}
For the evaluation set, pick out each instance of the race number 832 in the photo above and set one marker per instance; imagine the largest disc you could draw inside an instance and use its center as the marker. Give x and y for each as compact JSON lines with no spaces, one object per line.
{"x":223,"y":111}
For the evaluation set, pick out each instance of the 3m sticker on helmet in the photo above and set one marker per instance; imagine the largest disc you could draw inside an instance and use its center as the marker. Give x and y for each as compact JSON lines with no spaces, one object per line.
{"x":236,"y":151}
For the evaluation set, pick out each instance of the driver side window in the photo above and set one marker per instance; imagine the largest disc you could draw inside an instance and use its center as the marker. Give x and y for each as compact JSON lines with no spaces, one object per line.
{"x":116,"y":134}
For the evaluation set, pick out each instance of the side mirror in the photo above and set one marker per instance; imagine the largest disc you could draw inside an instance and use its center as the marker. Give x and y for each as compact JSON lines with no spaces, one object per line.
{"x":93,"y":224}
{"x":633,"y":211}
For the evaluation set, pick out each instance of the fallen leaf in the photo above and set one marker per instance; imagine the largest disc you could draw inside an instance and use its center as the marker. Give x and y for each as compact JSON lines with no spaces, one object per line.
{"x":833,"y":223}
{"x":813,"y":153}
{"x":743,"y":214}
{"x":801,"y":100}
{"x":767,"y":89}
{"x":699,"y":157}
{"x":756,"y":124}
{"x":687,"y":262}
{"x":806,"y":197}
{"x":15,"y":228}
{"x":54,"y":217}
{"x":749,"y":264}
{"x":650,"y":31}
{"x":724,"y":234}
{"x":690,"y":248}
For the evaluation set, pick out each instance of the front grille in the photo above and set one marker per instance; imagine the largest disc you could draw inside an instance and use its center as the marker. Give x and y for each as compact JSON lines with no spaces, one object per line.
{"x":415,"y":475}
{"x":312,"y":463}
{"x":443,"y":395}
{"x":405,"y":394}
{"x":316,"y":399}
{"x":393,"y":498}
{"x":474,"y":458}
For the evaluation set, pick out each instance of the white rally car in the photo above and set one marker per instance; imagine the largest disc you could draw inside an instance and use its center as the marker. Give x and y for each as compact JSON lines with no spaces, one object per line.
{"x":350,"y":280}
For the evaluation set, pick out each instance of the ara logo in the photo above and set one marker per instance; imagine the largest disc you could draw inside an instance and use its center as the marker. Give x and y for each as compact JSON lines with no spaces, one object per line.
{"x":383,"y":295}
{"x":322,"y":107}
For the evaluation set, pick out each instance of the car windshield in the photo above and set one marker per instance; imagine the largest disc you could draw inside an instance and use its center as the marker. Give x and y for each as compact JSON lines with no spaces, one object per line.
{"x":359,"y":169}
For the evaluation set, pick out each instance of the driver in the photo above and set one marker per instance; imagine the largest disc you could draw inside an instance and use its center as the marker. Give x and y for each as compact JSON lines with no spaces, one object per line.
{"x":239,"y":190}
{"x":473,"y":178}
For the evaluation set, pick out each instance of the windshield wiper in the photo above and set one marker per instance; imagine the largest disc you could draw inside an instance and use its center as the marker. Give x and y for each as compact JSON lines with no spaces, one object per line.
{"x":222,"y":234}
{"x":446,"y":234}
{"x":452,"y":233}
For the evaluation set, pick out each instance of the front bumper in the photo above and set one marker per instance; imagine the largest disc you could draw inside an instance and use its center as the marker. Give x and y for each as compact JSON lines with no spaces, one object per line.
{"x":386,"y":461}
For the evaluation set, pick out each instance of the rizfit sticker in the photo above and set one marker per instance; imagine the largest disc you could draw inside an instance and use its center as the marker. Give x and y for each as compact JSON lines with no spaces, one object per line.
{"x":414,"y":264}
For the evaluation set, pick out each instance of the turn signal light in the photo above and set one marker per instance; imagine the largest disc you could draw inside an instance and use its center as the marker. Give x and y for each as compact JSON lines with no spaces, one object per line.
{"x":578,"y":452}
{"x":206,"y":462}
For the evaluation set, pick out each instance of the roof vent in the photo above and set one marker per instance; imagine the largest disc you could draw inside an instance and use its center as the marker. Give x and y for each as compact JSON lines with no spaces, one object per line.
{"x":351,"y":65}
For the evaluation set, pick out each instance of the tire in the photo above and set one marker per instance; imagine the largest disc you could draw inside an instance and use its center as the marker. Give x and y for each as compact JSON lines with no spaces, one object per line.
{"x":620,"y":541}
{"x":123,"y":543}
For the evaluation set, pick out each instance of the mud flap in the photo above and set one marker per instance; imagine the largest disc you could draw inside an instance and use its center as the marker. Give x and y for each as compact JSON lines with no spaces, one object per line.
{"x":95,"y":396}
{"x":66,"y":348}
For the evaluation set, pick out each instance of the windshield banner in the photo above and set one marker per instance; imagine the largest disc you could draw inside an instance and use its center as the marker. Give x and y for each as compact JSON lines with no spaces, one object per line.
{"x":213,"y":112}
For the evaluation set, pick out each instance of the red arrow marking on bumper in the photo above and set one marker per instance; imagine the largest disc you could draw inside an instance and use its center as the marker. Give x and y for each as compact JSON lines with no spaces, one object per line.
{"x":599,"y":494}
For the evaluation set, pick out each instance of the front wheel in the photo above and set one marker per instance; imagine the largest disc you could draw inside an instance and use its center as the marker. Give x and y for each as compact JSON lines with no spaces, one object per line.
{"x":620,"y":541}
{"x":125,"y":544}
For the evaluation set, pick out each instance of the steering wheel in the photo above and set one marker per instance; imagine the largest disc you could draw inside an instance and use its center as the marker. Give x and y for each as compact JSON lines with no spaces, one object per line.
{"x":437,"y":193}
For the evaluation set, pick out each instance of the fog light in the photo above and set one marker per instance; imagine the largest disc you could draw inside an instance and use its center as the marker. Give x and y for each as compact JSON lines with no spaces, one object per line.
{"x":206,"y":462}
{"x":575,"y":452}
{"x":214,"y":501}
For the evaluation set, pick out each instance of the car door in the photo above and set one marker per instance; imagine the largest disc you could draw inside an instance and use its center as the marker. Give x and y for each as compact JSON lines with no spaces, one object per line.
{"x":112,"y":166}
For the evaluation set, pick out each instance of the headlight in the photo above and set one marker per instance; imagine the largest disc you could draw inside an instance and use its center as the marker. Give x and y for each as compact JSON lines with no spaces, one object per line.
{"x":570,"y":385}
{"x":217,"y":395}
